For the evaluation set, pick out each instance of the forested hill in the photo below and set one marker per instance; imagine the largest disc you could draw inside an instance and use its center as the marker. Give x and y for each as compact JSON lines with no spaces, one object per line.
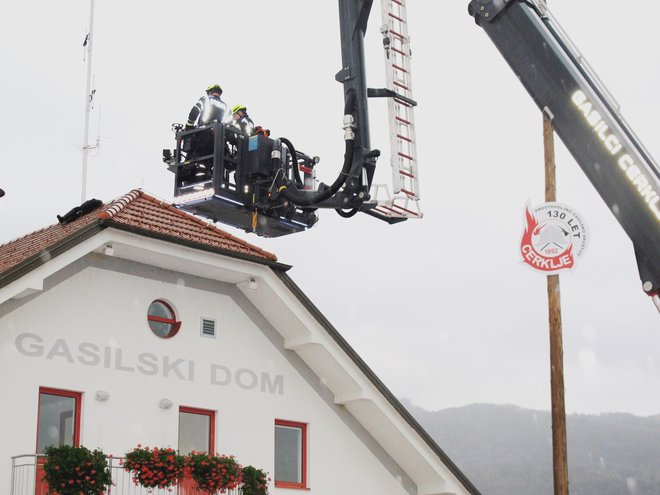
{"x":507,"y":450}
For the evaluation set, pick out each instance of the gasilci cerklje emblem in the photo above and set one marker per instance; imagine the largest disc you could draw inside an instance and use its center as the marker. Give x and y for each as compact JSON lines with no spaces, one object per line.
{"x":555,"y":236}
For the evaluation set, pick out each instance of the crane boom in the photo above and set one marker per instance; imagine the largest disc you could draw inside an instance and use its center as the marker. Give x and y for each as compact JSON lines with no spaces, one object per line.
{"x":585,"y":118}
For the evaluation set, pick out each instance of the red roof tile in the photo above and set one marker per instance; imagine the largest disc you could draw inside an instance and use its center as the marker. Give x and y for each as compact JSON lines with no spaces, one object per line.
{"x":139,"y":210}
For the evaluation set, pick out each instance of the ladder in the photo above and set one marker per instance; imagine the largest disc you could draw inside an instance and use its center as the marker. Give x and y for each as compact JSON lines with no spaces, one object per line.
{"x":403,"y":203}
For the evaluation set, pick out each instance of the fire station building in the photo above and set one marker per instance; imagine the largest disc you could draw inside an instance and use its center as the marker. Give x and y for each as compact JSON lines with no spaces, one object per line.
{"x":138,"y":323}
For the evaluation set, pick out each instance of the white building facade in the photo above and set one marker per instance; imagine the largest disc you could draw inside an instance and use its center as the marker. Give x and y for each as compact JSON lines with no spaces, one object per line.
{"x":128,"y":326}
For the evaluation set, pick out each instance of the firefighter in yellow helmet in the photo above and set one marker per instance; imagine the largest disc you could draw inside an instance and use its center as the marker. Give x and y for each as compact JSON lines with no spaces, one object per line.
{"x":242,"y":120}
{"x":209,"y":108}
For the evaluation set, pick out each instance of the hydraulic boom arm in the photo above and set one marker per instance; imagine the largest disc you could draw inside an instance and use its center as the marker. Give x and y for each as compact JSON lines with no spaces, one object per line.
{"x":584,"y":117}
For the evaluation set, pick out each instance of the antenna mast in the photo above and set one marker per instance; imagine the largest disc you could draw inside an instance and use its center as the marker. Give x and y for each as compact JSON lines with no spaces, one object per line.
{"x":89,"y":96}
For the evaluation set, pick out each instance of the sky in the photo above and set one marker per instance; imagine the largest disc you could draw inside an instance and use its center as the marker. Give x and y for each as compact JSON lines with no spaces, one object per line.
{"x":442,"y":309}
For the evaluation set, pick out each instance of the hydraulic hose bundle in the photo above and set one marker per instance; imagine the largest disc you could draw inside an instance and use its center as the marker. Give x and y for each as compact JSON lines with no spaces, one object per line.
{"x":289,"y":189}
{"x":294,"y":156}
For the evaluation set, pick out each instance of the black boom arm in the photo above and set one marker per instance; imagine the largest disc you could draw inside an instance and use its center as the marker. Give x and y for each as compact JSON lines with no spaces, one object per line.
{"x":567,"y":91}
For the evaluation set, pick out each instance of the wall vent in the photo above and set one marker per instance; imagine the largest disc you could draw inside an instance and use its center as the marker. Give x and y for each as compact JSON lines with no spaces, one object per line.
{"x":208,"y":327}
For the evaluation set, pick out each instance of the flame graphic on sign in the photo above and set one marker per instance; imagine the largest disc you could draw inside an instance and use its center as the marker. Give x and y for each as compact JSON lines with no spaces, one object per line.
{"x":531,"y":226}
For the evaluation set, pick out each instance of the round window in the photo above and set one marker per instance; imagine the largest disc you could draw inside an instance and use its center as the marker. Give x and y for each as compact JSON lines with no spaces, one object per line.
{"x":162,"y":319}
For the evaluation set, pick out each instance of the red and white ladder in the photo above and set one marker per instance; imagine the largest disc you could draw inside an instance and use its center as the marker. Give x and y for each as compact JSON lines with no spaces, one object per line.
{"x":404,"y":200}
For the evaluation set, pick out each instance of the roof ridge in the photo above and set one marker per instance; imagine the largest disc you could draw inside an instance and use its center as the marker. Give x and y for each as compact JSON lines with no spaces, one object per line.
{"x":204,"y":223}
{"x":65,"y":226}
{"x":118,"y":205}
{"x":147,"y":215}
{"x":11,"y":241}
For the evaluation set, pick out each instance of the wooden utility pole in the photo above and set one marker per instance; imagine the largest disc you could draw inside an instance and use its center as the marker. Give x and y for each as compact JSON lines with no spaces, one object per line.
{"x":559,"y":450}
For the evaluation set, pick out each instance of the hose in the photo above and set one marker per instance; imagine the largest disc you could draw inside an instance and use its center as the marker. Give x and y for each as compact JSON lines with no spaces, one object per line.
{"x":294,"y":159}
{"x":306,"y":198}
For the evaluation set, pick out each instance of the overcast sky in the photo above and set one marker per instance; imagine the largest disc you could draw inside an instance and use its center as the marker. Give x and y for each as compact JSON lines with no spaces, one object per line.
{"x":441,"y":308}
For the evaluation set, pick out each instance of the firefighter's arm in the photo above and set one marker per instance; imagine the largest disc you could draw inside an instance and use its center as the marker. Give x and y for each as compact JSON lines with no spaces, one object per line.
{"x":194,"y":114}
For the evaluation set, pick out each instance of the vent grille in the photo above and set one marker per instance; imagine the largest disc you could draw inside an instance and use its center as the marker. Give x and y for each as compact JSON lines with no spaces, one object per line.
{"x":208,"y":328}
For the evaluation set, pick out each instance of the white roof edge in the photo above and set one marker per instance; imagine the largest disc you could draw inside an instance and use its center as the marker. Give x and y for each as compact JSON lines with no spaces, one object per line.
{"x":33,"y":281}
{"x":427,"y":469}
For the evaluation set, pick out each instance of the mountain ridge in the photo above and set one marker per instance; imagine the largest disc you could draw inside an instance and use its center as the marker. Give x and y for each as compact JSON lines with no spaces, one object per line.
{"x":507,"y":449}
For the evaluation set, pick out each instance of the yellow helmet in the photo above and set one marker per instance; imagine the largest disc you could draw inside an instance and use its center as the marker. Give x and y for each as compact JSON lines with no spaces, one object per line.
{"x":237,"y":108}
{"x":214,"y":87}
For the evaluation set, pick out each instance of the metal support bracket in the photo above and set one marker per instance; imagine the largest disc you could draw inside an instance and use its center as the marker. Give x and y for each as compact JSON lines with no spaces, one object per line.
{"x":388,"y":93}
{"x":487,"y":9}
{"x":344,"y":75}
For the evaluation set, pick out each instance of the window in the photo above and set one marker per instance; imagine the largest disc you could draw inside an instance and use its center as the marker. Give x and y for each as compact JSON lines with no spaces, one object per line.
{"x":290,"y":454}
{"x":58,"y":421}
{"x":196,"y":430}
{"x":162,"y":319}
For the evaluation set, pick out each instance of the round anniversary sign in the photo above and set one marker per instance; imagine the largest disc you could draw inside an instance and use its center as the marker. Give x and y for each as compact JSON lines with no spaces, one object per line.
{"x":555,"y":236}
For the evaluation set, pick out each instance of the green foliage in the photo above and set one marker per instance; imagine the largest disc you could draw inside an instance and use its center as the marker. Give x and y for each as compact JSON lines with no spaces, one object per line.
{"x":214,"y":473}
{"x":255,"y":481}
{"x":76,"y":471}
{"x":154,"y":468}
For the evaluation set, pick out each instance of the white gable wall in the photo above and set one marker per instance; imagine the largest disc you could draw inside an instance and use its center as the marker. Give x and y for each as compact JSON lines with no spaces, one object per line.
{"x":245,"y":374}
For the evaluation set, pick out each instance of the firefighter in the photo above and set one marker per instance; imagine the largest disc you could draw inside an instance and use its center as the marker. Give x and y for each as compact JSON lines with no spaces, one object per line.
{"x":262,"y":131}
{"x":208,"y":109}
{"x":241,"y":119}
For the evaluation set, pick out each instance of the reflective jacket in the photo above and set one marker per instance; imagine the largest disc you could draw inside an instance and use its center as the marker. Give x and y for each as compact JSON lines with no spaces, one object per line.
{"x":207,"y":109}
{"x":245,"y":124}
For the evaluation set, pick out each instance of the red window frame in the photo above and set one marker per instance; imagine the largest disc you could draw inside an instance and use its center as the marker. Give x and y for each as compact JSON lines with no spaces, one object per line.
{"x":176,"y":325}
{"x":77,"y":413}
{"x":203,"y":412}
{"x":303,"y":468}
